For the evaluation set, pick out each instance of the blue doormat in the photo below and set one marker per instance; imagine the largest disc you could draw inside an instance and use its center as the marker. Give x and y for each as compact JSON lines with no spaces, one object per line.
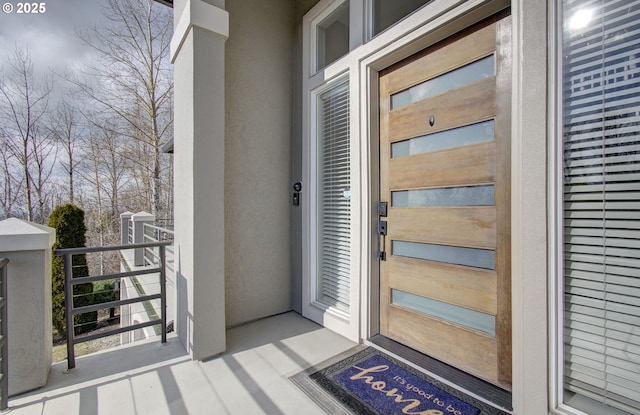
{"x":389,"y":389}
{"x":369,"y":382}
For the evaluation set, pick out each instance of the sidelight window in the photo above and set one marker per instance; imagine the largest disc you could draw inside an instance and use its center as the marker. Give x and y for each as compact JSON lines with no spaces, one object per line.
{"x":334,"y":205}
{"x":600,"y":78}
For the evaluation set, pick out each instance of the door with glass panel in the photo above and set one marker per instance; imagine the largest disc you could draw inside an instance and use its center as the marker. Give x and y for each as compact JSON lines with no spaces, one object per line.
{"x":445,"y":227}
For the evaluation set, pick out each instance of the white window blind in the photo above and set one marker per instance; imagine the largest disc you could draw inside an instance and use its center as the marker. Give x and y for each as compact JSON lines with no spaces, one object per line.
{"x":601,"y":121}
{"x":334,"y":207}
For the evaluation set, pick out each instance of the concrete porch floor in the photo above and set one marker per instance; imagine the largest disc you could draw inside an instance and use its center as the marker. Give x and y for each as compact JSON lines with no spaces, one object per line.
{"x":251,"y":377}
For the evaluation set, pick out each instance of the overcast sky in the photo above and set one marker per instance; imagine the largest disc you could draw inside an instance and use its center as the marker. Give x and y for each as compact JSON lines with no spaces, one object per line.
{"x":50,"y":36}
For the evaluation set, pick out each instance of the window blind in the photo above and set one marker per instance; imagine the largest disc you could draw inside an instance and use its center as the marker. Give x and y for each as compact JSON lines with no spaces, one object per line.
{"x":334,"y":206}
{"x":601,"y":141}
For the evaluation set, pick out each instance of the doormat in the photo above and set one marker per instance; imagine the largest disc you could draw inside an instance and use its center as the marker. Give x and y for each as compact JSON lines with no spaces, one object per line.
{"x":366,"y":381}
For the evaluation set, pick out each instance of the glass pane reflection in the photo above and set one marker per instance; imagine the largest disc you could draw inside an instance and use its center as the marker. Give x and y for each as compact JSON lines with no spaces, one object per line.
{"x":333,"y":36}
{"x":457,"y":137}
{"x":479,"y":69}
{"x":389,"y":12}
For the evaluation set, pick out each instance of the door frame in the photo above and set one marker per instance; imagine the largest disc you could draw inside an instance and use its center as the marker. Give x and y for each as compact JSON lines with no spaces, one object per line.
{"x":430,"y":34}
{"x":427,"y":26}
{"x":532,"y":130}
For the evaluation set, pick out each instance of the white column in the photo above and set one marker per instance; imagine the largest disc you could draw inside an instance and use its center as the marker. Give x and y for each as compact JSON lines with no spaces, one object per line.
{"x":139,"y":220}
{"x":198,"y":54}
{"x":28,"y":248}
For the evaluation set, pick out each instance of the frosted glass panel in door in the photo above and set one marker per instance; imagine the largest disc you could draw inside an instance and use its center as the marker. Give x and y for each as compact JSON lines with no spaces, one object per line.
{"x":444,"y":196}
{"x":445,"y":311}
{"x":473,"y":257}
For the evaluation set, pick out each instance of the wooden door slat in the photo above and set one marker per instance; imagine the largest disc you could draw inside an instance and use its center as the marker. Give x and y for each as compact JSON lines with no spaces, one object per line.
{"x":442,"y":225}
{"x":454,"y":284}
{"x":462,"y":106}
{"x":444,"y":59}
{"x":466,"y":349}
{"x":475,"y":164}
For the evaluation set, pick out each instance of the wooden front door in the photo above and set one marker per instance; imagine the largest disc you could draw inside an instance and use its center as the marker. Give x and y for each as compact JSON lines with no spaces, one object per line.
{"x":445,"y":174}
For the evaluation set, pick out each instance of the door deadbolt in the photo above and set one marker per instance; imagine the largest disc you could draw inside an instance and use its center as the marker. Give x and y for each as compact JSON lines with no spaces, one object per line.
{"x":297,"y":188}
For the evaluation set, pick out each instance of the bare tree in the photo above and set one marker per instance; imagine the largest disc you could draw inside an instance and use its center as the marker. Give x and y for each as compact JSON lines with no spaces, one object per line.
{"x":114,"y":170}
{"x":133,"y":79}
{"x":11,"y":181}
{"x":43,"y":152}
{"x":23,"y":104}
{"x":105,"y":170}
{"x":68,"y":131}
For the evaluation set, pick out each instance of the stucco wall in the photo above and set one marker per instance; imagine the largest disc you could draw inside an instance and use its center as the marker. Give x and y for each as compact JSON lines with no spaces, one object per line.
{"x":259,"y":73}
{"x":302,"y":7}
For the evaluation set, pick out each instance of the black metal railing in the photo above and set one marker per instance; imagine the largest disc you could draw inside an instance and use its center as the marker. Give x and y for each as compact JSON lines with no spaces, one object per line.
{"x":71,"y":310}
{"x":4,"y":344}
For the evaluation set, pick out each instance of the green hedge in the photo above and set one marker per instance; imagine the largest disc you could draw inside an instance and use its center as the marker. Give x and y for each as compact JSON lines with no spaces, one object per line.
{"x":68,"y":221}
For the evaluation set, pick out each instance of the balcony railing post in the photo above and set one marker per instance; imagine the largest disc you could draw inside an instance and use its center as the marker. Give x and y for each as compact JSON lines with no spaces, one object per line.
{"x":125,"y":219}
{"x":4,"y":355}
{"x":139,"y":220}
{"x":163,"y":292}
{"x":28,"y":248}
{"x":68,"y":309}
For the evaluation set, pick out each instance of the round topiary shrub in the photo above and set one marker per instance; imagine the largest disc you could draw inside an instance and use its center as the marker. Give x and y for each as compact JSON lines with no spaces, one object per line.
{"x":68,"y":221}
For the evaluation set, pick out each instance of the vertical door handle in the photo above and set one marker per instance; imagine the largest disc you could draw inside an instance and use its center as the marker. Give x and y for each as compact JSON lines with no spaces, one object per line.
{"x":382,"y":233}
{"x":382,"y":230}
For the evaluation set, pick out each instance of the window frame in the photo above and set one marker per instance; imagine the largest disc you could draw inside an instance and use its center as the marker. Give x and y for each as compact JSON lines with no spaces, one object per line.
{"x":315,"y":83}
{"x":327,"y":8}
{"x":556,"y":217}
{"x":556,"y":232}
